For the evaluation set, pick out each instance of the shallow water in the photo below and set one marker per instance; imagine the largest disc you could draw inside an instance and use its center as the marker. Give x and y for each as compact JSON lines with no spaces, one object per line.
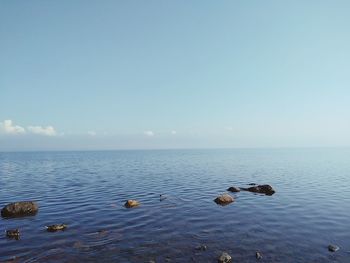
{"x":87,"y":190}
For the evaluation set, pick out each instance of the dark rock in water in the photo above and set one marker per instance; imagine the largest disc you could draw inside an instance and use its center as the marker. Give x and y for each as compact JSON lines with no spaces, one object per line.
{"x":13,"y":233}
{"x":234,"y":189}
{"x":261,"y":189}
{"x":252,"y":184}
{"x":19,"y":209}
{"x":258,"y":255}
{"x":225,"y":258}
{"x":224,"y":199}
{"x":333,"y":248}
{"x":201,"y":248}
{"x":54,"y":228}
{"x":131,"y":203}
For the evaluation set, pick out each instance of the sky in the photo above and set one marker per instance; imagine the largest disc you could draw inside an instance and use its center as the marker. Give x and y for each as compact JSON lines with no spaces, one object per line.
{"x":95,"y":75}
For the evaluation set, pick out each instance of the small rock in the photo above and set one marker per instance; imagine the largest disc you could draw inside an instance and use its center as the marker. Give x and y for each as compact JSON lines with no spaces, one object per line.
{"x":54,"y":228}
{"x":258,"y":255}
{"x":131,"y":203}
{"x":333,"y":248}
{"x":202,"y":248}
{"x":224,"y":199}
{"x":261,"y":189}
{"x":225,"y":258}
{"x":252,"y":184}
{"x":13,"y":233}
{"x":234,"y":189}
{"x":18,"y":209}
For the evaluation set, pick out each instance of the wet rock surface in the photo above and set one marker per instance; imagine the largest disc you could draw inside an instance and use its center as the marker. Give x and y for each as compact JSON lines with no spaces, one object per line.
{"x":234,"y":189}
{"x":131,"y":203}
{"x":20,"y":209}
{"x":258,"y":255}
{"x":13,"y":233}
{"x":261,"y":189}
{"x":333,"y":248}
{"x":224,"y":258}
{"x":201,"y":247}
{"x":57,"y":227}
{"x":224,"y":199}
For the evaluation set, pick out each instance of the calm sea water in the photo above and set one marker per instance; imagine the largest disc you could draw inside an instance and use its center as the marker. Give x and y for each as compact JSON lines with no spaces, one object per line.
{"x":87,"y":190}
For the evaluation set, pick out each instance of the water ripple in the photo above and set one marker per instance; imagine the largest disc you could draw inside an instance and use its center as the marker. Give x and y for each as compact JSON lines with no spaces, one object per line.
{"x":87,"y":190}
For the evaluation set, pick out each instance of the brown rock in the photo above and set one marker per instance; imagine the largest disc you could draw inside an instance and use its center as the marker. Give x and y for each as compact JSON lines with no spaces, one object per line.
{"x":57,"y":227}
{"x":224,"y":199}
{"x":18,"y":209}
{"x":131,"y":203}
{"x":13,"y":233}
{"x":261,"y":189}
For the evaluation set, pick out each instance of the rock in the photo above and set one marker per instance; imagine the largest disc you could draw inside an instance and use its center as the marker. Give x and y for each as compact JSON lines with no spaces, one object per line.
{"x":131,"y":203}
{"x":224,"y":199}
{"x":54,"y":228}
{"x":333,"y":248}
{"x":258,"y":255}
{"x":201,"y":248}
{"x":252,"y":184}
{"x":13,"y":233}
{"x":234,"y":189}
{"x":261,"y":189}
{"x":18,"y":209}
{"x":225,"y":258}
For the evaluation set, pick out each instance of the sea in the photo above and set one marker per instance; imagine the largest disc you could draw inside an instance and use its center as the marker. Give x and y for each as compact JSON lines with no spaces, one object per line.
{"x":177,"y":219}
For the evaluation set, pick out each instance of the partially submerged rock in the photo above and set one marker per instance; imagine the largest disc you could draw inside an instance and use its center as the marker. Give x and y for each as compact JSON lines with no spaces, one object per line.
{"x":13,"y":233}
{"x":131,"y":203}
{"x":234,"y":189}
{"x":333,"y":248}
{"x":261,"y":189}
{"x":225,"y":258}
{"x":201,"y":248}
{"x":19,"y":209}
{"x":258,"y":255}
{"x":224,"y":199}
{"x":57,"y":227}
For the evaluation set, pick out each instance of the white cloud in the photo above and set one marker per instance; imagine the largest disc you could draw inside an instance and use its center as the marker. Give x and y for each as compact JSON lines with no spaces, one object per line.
{"x":91,"y":133}
{"x":8,"y":127}
{"x":149,"y":133}
{"x":173,"y":132}
{"x":47,"y":131}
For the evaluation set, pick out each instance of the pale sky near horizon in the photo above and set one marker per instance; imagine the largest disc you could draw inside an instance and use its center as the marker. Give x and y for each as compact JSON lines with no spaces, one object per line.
{"x":78,"y":75}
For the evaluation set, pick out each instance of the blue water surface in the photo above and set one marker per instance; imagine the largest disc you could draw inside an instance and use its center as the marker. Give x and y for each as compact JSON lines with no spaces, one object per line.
{"x":87,"y":190}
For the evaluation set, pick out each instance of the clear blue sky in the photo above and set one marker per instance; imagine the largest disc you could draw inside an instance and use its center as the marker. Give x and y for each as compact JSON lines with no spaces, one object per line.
{"x":174,"y":74}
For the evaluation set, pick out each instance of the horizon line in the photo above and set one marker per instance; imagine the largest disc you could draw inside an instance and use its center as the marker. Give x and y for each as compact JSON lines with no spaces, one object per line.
{"x":179,"y":149}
